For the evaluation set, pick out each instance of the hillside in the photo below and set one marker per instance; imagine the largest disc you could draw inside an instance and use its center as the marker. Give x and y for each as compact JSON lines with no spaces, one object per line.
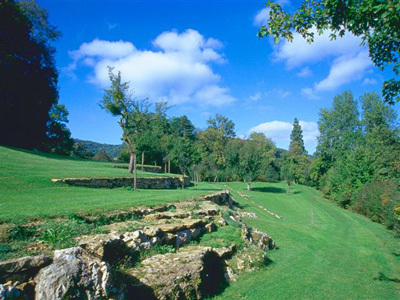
{"x":342,"y":256}
{"x":94,"y":147}
{"x":26,"y":190}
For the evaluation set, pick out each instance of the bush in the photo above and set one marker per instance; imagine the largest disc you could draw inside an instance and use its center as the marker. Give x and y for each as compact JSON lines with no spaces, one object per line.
{"x":379,"y":201}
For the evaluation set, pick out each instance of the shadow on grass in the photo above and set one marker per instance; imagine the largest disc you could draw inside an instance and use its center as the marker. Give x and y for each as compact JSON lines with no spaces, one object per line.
{"x":383,"y":277}
{"x":396,"y":254}
{"x":269,"y":189}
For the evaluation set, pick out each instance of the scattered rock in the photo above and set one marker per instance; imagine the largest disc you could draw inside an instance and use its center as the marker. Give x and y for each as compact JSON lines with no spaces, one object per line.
{"x":21,"y":269}
{"x":74,"y":274}
{"x":167,"y":215}
{"x":106,"y":247}
{"x":211,"y":227}
{"x":196,"y":273}
{"x":229,"y":274}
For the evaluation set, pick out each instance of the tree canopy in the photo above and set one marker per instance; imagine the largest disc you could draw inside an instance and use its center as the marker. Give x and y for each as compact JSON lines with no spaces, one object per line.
{"x":376,"y":22}
{"x":28,"y":85}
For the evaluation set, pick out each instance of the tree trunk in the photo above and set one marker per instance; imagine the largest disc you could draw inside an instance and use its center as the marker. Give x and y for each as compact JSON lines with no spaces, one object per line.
{"x":169,"y":165}
{"x":183,"y":181}
{"x":288,"y":187}
{"x":248,"y":186}
{"x":165,"y":167}
{"x":131,"y":159}
{"x":134,"y":172}
{"x":142,"y":160}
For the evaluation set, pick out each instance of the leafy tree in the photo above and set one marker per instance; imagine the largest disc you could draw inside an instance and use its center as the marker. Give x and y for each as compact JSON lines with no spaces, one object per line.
{"x":376,"y":22}
{"x":133,"y":114}
{"x":213,"y":142}
{"x":183,"y":154}
{"x":339,"y":129}
{"x":79,"y":150}
{"x":102,"y":156}
{"x":182,"y":127}
{"x":58,"y":135}
{"x":28,"y":85}
{"x":255,"y":155}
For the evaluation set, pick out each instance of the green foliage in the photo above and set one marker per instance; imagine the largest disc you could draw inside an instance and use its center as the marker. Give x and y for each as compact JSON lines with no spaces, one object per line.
{"x":87,"y":149}
{"x":60,"y":234}
{"x":101,"y":156}
{"x":164,"y":249}
{"x":59,"y":139}
{"x":28,"y":85}
{"x":376,"y":22}
{"x":357,"y":155}
{"x":21,"y":232}
{"x":378,"y":201}
{"x":296,"y":137}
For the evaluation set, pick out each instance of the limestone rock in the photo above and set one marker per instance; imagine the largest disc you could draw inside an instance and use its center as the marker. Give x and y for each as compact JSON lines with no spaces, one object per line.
{"x":196,"y":273}
{"x":229,"y":274}
{"x":168,"y":215}
{"x":211,"y":227}
{"x":107,"y":247}
{"x":74,"y":274}
{"x":182,"y":225}
{"x":183,"y":237}
{"x":225,"y":252}
{"x":21,"y":269}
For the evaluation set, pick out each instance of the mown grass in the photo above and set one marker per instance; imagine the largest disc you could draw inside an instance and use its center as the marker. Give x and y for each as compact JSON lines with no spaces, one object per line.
{"x":342,"y":256}
{"x":26,"y":190}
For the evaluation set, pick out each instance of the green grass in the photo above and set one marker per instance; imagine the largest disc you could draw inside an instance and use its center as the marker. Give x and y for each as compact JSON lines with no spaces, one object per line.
{"x":26,"y":190}
{"x":342,"y":256}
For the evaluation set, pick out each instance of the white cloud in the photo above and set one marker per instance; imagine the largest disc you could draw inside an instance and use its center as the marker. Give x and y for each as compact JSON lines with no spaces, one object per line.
{"x":345,"y":69}
{"x":350,"y":60}
{"x":255,"y":97}
{"x":280,"y":131}
{"x":299,"y":52}
{"x":180,"y":71}
{"x":369,"y":81}
{"x":261,"y":17}
{"x":99,"y":48}
{"x":309,"y":93}
{"x":305,"y":72}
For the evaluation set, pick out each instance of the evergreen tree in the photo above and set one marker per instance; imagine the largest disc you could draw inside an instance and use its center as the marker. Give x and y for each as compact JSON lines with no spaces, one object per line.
{"x":297,"y":157}
{"x":296,"y":136}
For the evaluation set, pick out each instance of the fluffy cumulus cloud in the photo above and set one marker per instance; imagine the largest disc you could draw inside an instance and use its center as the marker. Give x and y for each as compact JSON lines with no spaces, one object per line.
{"x":350,"y":60}
{"x":180,"y":70}
{"x":280,"y":131}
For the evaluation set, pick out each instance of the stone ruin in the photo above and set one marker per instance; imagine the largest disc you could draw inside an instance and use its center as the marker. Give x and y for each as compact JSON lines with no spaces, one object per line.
{"x":93,"y":269}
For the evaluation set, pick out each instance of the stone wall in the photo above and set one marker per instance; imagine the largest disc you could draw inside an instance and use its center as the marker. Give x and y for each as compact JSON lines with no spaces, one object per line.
{"x":151,"y":169}
{"x":113,"y":182}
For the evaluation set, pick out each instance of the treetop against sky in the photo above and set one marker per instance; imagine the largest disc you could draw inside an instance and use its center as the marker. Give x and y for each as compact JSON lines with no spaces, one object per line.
{"x":204,"y":58}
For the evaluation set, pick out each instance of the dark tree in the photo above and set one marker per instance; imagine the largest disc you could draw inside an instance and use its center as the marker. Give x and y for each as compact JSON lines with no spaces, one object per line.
{"x":28,"y":85}
{"x":58,"y":135}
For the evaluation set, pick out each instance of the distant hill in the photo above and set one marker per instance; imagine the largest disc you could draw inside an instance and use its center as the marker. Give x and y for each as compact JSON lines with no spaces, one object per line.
{"x":111,"y":150}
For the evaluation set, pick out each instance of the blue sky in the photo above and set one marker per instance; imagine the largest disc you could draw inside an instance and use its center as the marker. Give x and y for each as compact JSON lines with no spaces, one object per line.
{"x":204,"y":58}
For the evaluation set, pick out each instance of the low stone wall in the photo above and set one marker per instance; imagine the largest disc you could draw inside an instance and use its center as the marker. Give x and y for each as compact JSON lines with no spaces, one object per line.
{"x":151,"y":169}
{"x":113,"y":182}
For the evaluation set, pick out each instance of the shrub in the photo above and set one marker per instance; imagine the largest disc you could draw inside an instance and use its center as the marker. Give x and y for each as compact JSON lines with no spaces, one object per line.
{"x":378,"y":201}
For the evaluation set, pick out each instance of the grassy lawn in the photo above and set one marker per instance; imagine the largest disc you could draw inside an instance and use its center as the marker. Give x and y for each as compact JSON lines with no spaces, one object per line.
{"x":342,"y":256}
{"x":26,"y":190}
